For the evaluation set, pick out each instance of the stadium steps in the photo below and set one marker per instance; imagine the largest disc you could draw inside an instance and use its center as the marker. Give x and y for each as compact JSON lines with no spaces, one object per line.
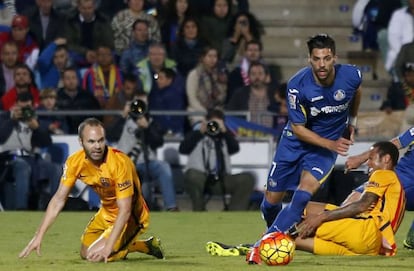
{"x":288,"y":25}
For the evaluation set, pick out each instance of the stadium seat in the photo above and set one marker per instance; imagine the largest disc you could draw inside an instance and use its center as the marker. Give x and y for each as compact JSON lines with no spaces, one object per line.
{"x":58,"y":152}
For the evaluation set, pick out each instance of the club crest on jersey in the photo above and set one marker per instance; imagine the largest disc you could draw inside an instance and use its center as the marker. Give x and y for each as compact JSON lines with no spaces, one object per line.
{"x":105,"y":182}
{"x":339,"y":95}
{"x":271,"y":183}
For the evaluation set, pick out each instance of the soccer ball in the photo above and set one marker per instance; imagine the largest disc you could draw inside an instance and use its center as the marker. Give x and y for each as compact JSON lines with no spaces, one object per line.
{"x":276,"y":248}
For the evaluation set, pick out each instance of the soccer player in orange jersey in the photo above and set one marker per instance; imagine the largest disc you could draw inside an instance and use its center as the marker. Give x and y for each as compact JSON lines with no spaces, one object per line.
{"x":114,"y":230}
{"x":365,"y":225}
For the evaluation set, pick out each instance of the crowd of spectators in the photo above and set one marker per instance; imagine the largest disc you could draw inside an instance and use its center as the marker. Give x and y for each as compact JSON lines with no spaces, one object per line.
{"x":99,"y":55}
{"x":192,"y":48}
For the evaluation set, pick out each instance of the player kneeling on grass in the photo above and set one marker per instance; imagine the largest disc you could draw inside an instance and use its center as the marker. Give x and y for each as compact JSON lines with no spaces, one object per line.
{"x":114,"y":230}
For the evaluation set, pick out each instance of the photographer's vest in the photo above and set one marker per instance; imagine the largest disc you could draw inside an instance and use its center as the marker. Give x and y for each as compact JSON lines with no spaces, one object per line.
{"x":19,"y":141}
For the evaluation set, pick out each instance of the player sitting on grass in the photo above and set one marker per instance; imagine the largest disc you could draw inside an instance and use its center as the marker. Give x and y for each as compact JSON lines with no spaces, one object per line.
{"x":364,"y":224}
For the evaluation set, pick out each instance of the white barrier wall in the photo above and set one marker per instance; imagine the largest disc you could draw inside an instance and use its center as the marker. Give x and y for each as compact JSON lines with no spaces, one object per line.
{"x":254,"y":155}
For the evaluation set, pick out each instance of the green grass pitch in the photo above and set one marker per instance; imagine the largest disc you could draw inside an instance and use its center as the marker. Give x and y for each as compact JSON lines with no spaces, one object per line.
{"x":183,"y":236}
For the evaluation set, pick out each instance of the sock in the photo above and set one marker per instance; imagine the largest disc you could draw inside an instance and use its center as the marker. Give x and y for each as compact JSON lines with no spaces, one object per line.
{"x":120,"y":255}
{"x":138,"y":246}
{"x":292,"y":213}
{"x":269,"y":211}
{"x":412,"y":227}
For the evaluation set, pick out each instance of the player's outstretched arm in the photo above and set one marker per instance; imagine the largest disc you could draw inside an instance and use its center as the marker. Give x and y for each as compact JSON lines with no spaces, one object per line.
{"x":53,"y":209}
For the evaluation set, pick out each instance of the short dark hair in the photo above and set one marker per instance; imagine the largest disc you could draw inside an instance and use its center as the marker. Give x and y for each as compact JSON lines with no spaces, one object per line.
{"x":24,"y":97}
{"x":140,"y":21}
{"x":215,"y":113}
{"x":321,"y":41}
{"x":169,"y":73}
{"x":254,"y":42}
{"x":258,"y":64}
{"x":94,"y":122}
{"x":130,"y":77}
{"x":387,"y":147}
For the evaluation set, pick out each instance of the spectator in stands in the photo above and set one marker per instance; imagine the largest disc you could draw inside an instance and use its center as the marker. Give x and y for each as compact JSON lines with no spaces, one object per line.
{"x":149,"y":67}
{"x":400,"y":32}
{"x":206,"y":85}
{"x":400,"y":94}
{"x":405,"y":55}
{"x":120,"y":101}
{"x":52,"y":61}
{"x":44,"y":22}
{"x":103,"y":78}
{"x":257,"y":98}
{"x":84,"y":30}
{"x":141,"y":136}
{"x":176,"y":12}
{"x":55,"y":124}
{"x":19,"y":33}
{"x":7,"y":11}
{"x":215,"y":24}
{"x":21,"y":136}
{"x":169,"y":96}
{"x":239,"y":76}
{"x":208,"y":170}
{"x":280,"y":108}
{"x":138,"y":49}
{"x":72,"y":97}
{"x":8,"y":59}
{"x":243,"y":28}
{"x":385,"y":10}
{"x":123,"y":21}
{"x":364,"y":18}
{"x":23,"y":79}
{"x":188,"y":47}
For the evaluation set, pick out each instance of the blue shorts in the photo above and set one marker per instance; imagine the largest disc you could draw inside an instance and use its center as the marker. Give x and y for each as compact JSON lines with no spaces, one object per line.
{"x":290,"y":160}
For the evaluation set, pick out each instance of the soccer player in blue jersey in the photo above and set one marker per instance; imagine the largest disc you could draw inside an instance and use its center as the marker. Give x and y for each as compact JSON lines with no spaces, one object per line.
{"x":404,"y":170}
{"x":323,"y":102}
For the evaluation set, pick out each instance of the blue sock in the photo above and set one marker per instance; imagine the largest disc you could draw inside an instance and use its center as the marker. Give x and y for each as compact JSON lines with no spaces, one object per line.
{"x":412,"y":226}
{"x":269,"y":211}
{"x":292,"y":213}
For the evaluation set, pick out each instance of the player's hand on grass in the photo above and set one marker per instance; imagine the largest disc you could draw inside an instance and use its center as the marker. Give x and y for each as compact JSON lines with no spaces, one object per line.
{"x":34,"y":244}
{"x":99,"y":254}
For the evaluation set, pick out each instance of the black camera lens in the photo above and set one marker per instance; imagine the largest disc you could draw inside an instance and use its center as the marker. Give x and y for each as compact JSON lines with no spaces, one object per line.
{"x":138,"y":108}
{"x":213,"y":128}
{"x":27,"y":113}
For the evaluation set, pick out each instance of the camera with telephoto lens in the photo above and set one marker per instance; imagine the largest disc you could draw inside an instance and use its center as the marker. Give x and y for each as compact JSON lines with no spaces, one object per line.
{"x":212,"y":128}
{"x":27,"y":113}
{"x":138,"y":108}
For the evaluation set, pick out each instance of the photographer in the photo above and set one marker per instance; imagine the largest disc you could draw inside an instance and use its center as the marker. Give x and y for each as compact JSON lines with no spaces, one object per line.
{"x":20,"y":138}
{"x":140,"y":138}
{"x":209,"y":147}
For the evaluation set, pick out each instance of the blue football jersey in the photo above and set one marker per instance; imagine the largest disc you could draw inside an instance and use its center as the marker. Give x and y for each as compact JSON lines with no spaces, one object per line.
{"x":324,"y":110}
{"x":404,"y":168}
